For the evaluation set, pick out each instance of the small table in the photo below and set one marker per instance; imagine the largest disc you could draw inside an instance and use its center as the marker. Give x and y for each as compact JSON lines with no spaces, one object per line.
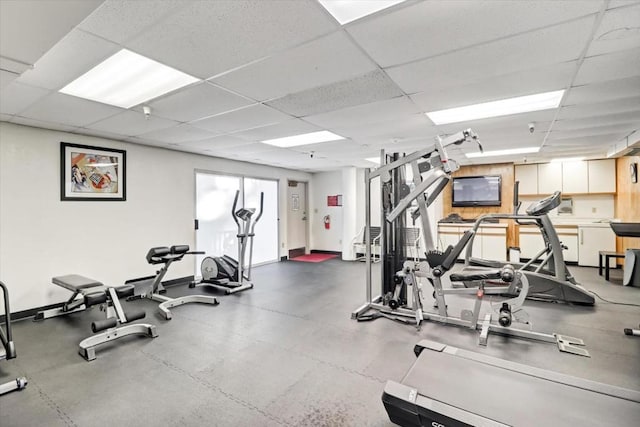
{"x":607,"y":255}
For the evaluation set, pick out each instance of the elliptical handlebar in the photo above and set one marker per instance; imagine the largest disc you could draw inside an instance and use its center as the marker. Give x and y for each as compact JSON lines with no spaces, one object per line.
{"x":253,"y":224}
{"x":233,"y":211}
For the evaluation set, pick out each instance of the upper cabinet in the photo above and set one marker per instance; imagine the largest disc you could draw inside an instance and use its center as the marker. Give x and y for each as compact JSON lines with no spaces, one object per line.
{"x":549,"y":177}
{"x":575,"y":177}
{"x":584,"y":177}
{"x":527,"y":175}
{"x":602,"y":176}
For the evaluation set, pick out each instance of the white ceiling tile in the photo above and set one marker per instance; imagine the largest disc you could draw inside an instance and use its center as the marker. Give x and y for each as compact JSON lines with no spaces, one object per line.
{"x":197,"y":101}
{"x":210,"y":37}
{"x":99,"y":133}
{"x":535,"y":80}
{"x":16,"y":97}
{"x":320,"y":62}
{"x":619,"y":30}
{"x":434,"y":27}
{"x":6,"y":78}
{"x":531,"y":50}
{"x":617,"y":65}
{"x":73,"y":56}
{"x":278,"y":130}
{"x":30,"y":28}
{"x":69,"y":110}
{"x":388,"y":110}
{"x":415,"y":126}
{"x":598,"y":120}
{"x":178,"y":134}
{"x":132,"y":123}
{"x":595,"y":130}
{"x":604,"y":91}
{"x":366,"y":88}
{"x":622,"y":105}
{"x":585,"y":141}
{"x":613,"y":4}
{"x":119,"y":20}
{"x":245,"y":118}
{"x":42,"y":124}
{"x":217,"y":143}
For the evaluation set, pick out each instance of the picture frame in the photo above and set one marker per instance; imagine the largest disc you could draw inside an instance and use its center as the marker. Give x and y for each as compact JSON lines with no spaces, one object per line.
{"x":89,"y":173}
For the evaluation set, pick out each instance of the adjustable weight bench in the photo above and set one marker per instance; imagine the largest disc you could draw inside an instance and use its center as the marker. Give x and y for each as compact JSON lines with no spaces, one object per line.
{"x":92,"y":292}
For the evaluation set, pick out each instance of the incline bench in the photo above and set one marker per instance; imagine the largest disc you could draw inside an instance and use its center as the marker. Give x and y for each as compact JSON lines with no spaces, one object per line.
{"x":92,"y":293}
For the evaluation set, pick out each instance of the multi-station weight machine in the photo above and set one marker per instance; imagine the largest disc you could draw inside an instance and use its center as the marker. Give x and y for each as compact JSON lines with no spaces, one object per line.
{"x":431,"y":169}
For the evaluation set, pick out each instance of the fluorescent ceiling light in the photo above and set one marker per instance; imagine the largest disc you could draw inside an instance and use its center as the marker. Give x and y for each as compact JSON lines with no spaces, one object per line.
{"x":127,"y":79}
{"x":503,"y":107}
{"x":304,"y":139}
{"x":523,"y":150}
{"x":568,"y":159}
{"x":373,"y":159}
{"x":346,"y":11}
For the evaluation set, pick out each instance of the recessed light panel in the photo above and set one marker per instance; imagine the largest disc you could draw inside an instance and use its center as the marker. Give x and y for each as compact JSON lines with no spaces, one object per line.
{"x":346,"y":11}
{"x":373,"y":160}
{"x":304,"y":139}
{"x":503,"y":107}
{"x":523,"y":150}
{"x":127,"y":79}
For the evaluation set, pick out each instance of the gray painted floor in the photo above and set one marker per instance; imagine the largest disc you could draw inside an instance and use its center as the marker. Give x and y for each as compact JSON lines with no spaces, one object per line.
{"x":283,"y":354}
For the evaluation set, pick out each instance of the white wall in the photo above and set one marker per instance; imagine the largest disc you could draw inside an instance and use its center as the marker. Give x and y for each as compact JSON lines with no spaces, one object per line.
{"x":585,"y":206}
{"x":322,"y":185}
{"x":42,"y":237}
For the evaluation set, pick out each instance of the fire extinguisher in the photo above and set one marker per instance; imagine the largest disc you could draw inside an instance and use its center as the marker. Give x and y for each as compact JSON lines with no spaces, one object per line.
{"x":327,"y":222}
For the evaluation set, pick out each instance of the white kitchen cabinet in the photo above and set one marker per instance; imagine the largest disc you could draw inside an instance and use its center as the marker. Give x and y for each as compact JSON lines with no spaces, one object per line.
{"x":575,"y":177}
{"x":531,"y":242}
{"x":493,"y":246}
{"x":569,"y":238}
{"x":602,"y":176}
{"x":549,"y":177}
{"x":592,"y":239}
{"x":489,"y":242}
{"x":528,"y":177}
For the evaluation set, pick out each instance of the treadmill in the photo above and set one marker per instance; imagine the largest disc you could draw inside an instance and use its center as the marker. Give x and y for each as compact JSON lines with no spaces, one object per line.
{"x":452,"y":387}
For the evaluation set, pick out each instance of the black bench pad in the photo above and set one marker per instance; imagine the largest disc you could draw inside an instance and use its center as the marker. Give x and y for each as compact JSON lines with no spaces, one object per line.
{"x":75,"y":282}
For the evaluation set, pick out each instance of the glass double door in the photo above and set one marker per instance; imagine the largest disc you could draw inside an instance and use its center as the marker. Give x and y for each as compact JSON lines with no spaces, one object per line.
{"x":216,"y":233}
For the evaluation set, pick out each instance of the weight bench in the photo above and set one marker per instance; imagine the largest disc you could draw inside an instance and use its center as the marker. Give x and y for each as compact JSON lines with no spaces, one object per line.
{"x":87,"y":293}
{"x":151,"y":286}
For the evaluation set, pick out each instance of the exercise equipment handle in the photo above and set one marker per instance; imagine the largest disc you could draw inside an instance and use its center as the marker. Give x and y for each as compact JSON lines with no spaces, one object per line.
{"x":7,"y":341}
{"x":261,"y":206}
{"x":233,"y":210}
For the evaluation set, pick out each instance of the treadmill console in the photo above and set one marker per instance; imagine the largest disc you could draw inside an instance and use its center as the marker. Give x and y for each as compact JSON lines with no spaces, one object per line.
{"x":545,"y":205}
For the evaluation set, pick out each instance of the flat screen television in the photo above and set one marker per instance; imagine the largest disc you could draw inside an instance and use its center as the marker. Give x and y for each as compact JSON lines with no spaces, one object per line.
{"x":477,"y":191}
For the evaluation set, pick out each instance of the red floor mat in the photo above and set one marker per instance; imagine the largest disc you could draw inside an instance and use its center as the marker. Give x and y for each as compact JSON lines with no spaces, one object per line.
{"x":314,"y":257}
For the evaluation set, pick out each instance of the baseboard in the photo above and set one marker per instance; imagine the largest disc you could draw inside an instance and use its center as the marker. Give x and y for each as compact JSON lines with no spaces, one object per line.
{"x":316,"y":251}
{"x":18,"y":315}
{"x":284,"y":258}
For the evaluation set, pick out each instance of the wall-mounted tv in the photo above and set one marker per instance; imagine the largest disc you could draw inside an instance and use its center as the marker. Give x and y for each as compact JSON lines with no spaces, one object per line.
{"x":477,"y":191}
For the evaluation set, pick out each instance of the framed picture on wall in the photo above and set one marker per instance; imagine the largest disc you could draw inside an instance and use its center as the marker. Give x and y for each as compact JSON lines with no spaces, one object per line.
{"x":92,"y":173}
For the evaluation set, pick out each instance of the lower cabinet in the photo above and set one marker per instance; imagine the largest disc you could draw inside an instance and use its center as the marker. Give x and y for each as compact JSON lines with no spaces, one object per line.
{"x":591,"y":241}
{"x":531,"y":241}
{"x":489,"y":243}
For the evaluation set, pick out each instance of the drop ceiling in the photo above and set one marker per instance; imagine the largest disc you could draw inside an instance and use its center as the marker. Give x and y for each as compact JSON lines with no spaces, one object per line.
{"x":271,"y":69}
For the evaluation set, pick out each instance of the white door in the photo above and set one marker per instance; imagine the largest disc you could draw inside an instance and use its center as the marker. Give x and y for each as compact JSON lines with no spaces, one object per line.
{"x":216,"y":231}
{"x":265,"y":242}
{"x":297,"y":217}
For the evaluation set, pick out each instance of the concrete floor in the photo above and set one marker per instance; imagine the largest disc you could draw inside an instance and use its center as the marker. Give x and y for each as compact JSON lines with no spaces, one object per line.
{"x":283,"y":354}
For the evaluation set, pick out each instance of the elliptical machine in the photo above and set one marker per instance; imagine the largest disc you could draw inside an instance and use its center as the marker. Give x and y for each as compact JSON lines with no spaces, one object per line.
{"x":225,"y":271}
